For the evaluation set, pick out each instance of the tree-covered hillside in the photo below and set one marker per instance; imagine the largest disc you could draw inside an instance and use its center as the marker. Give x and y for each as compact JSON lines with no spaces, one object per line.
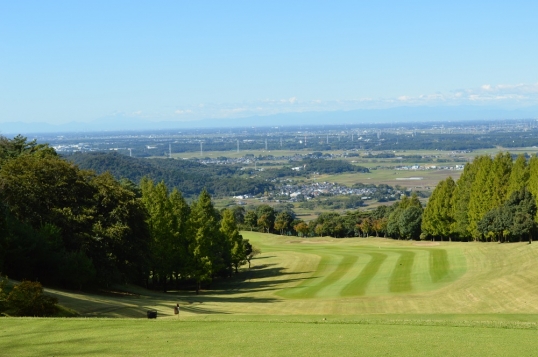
{"x":74,"y":228}
{"x":190,"y":177}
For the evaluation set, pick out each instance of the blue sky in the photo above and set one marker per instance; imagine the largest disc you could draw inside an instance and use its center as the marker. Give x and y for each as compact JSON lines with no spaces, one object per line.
{"x":63,"y":61}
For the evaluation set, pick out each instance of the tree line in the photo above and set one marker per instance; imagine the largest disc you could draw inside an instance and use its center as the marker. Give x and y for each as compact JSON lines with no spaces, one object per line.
{"x":493,"y":200}
{"x":74,"y":228}
{"x":401,"y":220}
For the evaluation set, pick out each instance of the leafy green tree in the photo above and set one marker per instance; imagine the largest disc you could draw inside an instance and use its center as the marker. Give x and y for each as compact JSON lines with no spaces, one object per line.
{"x":251,"y":252}
{"x":239,"y":214}
{"x":251,"y":219}
{"x":532,"y":184}
{"x":519,"y":176}
{"x":302,"y":229}
{"x":494,"y":224}
{"x":393,"y":221}
{"x":438,"y":214}
{"x":160,"y":222}
{"x":266,"y":217}
{"x":228,"y":228}
{"x":511,"y":221}
{"x":180,"y":230}
{"x":460,"y":202}
{"x":502,"y":168}
{"x":480,"y":201}
{"x":41,"y":190}
{"x":366,"y":226}
{"x":283,"y":222}
{"x":205,"y":241}
{"x":121,"y":240}
{"x":409,"y":222}
{"x":522,"y":206}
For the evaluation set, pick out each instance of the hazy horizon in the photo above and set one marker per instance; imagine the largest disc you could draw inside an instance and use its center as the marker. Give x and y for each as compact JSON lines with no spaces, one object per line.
{"x":83,"y":65}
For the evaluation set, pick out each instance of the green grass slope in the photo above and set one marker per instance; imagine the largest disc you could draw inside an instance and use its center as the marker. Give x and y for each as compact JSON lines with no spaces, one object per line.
{"x":318,"y":296}
{"x":358,"y":276}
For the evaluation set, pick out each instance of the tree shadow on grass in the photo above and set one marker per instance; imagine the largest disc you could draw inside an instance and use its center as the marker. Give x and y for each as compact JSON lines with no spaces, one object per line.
{"x":260,"y":278}
{"x":265,"y":257}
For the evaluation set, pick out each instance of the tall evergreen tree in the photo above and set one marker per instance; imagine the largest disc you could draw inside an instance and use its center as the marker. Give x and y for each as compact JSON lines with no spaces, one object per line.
{"x":460,"y":202}
{"x":205,"y":241}
{"x":438,"y":214}
{"x":519,"y":176}
{"x":180,"y":227}
{"x":481,"y":193}
{"x":228,"y":228}
{"x":502,"y":168}
{"x":161,"y":226}
{"x":532,"y":183}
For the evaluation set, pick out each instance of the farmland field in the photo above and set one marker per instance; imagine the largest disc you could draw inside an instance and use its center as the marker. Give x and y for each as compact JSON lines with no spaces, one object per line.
{"x":316,"y":296}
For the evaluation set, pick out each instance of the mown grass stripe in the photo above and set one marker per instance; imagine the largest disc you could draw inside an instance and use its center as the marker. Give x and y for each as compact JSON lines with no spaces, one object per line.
{"x":321,"y":270}
{"x":343,"y":267}
{"x":439,"y":264}
{"x":357,"y":286}
{"x":400,"y":279}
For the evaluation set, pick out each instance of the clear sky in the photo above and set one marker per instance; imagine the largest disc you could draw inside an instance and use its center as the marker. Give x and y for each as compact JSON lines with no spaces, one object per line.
{"x":63,"y":61}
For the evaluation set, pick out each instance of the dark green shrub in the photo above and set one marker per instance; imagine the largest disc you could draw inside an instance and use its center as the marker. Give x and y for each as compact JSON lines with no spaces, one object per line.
{"x":27,"y":299}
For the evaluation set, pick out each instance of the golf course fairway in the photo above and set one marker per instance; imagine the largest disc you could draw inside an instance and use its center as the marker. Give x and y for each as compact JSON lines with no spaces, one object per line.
{"x":314,"y":296}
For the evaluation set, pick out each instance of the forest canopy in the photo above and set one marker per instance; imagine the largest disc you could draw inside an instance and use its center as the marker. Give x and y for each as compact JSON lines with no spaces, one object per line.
{"x":74,"y":228}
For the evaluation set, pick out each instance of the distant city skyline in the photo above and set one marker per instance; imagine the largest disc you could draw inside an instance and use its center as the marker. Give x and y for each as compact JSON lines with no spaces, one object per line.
{"x":199,"y":63}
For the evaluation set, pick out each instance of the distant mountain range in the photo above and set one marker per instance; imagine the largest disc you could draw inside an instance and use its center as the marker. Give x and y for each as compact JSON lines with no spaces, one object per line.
{"x":352,"y":117}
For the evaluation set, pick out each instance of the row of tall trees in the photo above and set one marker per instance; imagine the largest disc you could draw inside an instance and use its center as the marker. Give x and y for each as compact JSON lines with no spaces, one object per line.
{"x":190,"y":242}
{"x":493,"y":200}
{"x":70,"y":227}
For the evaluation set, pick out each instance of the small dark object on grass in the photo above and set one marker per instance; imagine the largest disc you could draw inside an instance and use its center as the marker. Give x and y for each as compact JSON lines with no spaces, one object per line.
{"x":152,"y":314}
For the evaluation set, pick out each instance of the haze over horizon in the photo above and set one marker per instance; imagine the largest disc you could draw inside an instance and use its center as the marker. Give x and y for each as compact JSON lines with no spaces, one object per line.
{"x":85,"y":65}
